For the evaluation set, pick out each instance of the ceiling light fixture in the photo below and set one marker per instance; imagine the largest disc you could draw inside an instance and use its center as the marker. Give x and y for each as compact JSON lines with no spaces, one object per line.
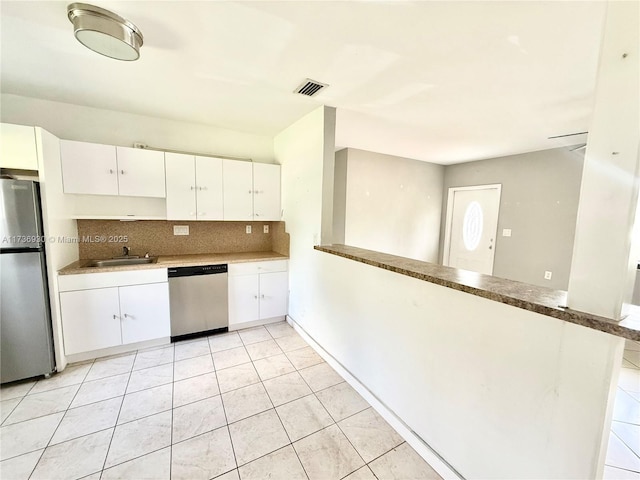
{"x":105,"y":32}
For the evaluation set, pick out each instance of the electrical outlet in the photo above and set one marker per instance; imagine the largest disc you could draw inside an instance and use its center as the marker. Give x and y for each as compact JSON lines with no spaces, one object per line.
{"x":547,"y":275}
{"x":181,"y":229}
{"x":506,"y":232}
{"x":248,"y":229}
{"x":265,"y":228}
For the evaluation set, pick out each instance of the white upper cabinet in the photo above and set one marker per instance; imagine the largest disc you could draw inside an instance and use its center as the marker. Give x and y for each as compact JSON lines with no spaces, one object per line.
{"x":238,"y":190}
{"x":266,"y":191}
{"x":89,"y":168}
{"x":18,"y":147}
{"x":209,"y":194}
{"x":94,"y":169}
{"x":140,"y":172}
{"x":181,"y":186}
{"x":194,"y":187}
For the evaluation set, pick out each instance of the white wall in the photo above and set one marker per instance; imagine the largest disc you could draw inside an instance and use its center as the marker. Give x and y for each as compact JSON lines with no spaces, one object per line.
{"x":605,"y":248}
{"x":75,"y":122}
{"x":393,"y":204}
{"x":497,"y":391}
{"x":57,"y":226}
{"x":300,"y":149}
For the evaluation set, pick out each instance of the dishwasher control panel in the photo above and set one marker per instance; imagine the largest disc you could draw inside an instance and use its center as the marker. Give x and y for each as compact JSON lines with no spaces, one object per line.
{"x":199,"y":270}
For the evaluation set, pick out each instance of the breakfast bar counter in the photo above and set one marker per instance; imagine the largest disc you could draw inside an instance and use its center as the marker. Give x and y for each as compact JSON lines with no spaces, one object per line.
{"x":545,"y":301}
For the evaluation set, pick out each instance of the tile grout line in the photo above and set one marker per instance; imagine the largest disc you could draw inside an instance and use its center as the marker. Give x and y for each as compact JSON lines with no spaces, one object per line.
{"x":173,"y":389}
{"x":104,"y":463}
{"x":146,"y":416}
{"x":224,"y":411}
{"x":60,"y":422}
{"x":286,"y":433}
{"x":215,"y":371}
{"x":64,"y":412}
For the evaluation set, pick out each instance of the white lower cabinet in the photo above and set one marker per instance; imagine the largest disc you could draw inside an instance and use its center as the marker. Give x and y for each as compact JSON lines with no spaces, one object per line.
{"x":257,"y":291}
{"x":109,"y":309}
{"x":91,"y":319}
{"x":144,"y":312}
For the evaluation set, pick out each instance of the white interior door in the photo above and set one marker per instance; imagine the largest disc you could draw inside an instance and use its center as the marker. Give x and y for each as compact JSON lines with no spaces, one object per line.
{"x":472,"y":221}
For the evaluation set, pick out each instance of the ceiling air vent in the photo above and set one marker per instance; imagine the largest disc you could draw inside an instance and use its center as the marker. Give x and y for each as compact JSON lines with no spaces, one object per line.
{"x":310,"y":87}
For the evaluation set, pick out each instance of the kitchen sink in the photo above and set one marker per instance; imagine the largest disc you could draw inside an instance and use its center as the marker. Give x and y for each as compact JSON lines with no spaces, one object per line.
{"x":116,"y":262}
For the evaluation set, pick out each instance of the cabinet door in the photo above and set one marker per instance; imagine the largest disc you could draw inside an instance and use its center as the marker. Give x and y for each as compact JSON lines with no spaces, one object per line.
{"x":237,"y":180}
{"x":266,"y":191}
{"x":18,"y":147}
{"x":243,"y":299}
{"x":274,"y":288}
{"x":181,"y":186}
{"x":209,"y":188}
{"x":140,"y":172}
{"x":88,"y":168}
{"x":90,"y":319}
{"x":144,"y":312}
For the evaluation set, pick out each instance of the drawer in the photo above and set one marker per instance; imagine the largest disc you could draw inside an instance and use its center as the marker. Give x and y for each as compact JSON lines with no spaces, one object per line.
{"x":252,"y":268}
{"x":86,"y":281}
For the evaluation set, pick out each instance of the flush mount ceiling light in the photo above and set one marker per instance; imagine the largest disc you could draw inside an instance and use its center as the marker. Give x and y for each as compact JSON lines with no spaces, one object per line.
{"x":105,"y":32}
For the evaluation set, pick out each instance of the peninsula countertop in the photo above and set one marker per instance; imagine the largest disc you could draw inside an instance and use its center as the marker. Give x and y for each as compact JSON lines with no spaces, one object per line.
{"x":166,"y":261}
{"x":545,"y":301}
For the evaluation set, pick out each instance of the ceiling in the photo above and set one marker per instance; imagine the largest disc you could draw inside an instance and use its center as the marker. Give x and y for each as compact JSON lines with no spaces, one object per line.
{"x":444,"y":81}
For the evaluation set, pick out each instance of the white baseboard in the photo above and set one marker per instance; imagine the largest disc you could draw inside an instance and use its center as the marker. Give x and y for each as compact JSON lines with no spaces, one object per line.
{"x":105,"y":352}
{"x":255,"y":323}
{"x":419,"y":445}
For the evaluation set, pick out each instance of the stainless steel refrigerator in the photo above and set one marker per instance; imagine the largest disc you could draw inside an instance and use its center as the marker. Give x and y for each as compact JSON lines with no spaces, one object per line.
{"x":26,"y":344}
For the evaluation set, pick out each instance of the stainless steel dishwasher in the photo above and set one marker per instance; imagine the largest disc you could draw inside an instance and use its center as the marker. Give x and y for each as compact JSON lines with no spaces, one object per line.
{"x":198,"y":299}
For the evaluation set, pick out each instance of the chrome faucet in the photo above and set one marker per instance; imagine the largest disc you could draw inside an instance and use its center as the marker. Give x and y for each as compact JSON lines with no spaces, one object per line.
{"x":125,"y":251}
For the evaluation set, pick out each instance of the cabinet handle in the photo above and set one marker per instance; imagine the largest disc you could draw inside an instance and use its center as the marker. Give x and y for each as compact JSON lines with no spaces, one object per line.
{"x":255,"y":296}
{"x":250,"y":191}
{"x":126,"y":316}
{"x":192,"y":213}
{"x":122,"y":172}
{"x":261,"y":296}
{"x":111,"y":171}
{"x":115,"y":317}
{"x":203,"y":188}
{"x":192,"y":187}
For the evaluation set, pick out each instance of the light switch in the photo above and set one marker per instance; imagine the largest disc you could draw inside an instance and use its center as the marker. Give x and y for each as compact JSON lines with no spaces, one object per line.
{"x":547,"y":275}
{"x":506,"y":232}
{"x":181,"y":229}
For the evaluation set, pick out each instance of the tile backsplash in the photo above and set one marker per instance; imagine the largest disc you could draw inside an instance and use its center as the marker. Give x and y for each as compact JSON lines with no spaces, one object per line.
{"x":157,"y":238}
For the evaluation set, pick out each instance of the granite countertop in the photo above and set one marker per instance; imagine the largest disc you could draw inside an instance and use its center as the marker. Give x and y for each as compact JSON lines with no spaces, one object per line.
{"x":165,"y":261}
{"x":545,"y":301}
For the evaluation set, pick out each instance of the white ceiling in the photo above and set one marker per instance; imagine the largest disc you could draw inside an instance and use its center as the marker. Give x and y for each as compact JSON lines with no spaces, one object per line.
{"x":441,"y":81}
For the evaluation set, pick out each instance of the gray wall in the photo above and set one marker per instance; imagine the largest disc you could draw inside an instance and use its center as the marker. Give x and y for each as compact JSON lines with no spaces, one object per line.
{"x":539,"y":203}
{"x":392,"y":204}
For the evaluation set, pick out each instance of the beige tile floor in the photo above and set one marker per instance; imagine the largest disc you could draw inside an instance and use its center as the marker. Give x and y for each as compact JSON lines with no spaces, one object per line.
{"x":255,"y":404}
{"x":623,"y":454}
